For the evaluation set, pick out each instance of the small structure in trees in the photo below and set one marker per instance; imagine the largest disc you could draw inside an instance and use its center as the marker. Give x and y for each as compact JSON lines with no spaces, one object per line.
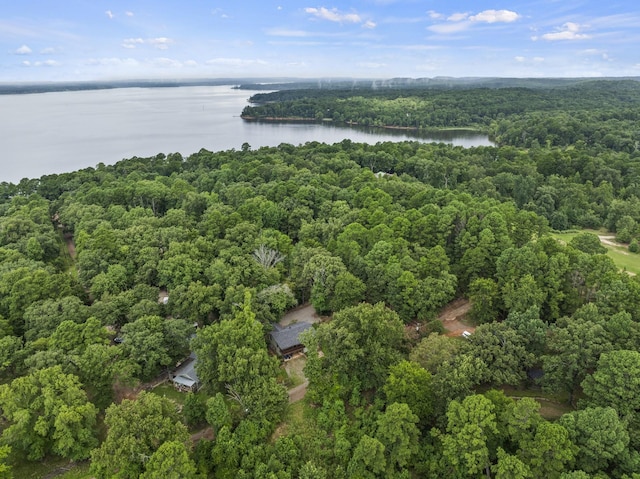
{"x":285,"y":342}
{"x":185,"y":377}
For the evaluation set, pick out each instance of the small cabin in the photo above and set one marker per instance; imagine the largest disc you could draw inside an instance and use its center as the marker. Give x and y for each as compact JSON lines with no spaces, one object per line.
{"x":185,"y":377}
{"x":285,"y":342}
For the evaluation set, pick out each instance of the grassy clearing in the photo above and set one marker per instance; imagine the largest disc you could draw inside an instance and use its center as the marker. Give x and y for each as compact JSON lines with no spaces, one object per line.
{"x":619,"y":253}
{"x":81,"y":471}
{"x":294,"y":420}
{"x":170,"y":392}
{"x":24,"y":469}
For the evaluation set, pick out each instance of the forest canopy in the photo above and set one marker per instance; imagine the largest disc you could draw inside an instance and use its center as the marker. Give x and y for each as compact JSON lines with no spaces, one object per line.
{"x":378,"y":239}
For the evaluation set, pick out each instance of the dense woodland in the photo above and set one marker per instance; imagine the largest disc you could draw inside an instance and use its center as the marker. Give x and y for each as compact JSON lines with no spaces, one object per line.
{"x":379,"y":238}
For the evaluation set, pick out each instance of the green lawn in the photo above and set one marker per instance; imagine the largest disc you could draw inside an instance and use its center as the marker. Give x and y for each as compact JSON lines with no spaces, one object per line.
{"x":619,"y":253}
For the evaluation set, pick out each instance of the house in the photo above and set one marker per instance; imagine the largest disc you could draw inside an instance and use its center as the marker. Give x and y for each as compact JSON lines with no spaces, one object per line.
{"x":285,"y":341}
{"x":185,"y":377}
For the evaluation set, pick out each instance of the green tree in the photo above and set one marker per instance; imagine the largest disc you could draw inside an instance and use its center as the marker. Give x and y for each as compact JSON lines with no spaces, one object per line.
{"x":549,"y":451}
{"x":471,"y":427}
{"x":484,"y":294}
{"x":588,"y":243}
{"x":410,"y":384}
{"x":368,"y":460}
{"x":49,"y":413}
{"x":398,"y":432}
{"x":155,"y":343}
{"x":503,"y":351}
{"x":170,"y":461}
{"x":434,"y":350}
{"x":510,"y":467}
{"x":358,"y":346}
{"x":615,"y":383}
{"x":600,"y":436}
{"x":232,"y":357}
{"x":136,"y":429}
{"x":5,"y":469}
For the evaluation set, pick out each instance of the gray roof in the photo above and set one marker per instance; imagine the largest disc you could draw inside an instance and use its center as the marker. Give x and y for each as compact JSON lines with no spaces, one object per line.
{"x":186,"y":374}
{"x":287,"y":337}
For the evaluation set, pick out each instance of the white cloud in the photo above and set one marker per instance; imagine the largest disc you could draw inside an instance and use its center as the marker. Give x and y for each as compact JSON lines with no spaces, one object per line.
{"x":234,"y":62}
{"x":282,"y":32}
{"x":46,"y":63}
{"x":132,"y":42}
{"x":166,"y":63}
{"x":446,"y":28}
{"x":161,"y":43}
{"x":568,"y":31}
{"x":371,"y":65}
{"x":333,"y":15}
{"x":457,"y":17}
{"x":23,"y":50}
{"x":112,"y":61}
{"x":458,"y":22}
{"x":109,"y":14}
{"x":495,"y":16}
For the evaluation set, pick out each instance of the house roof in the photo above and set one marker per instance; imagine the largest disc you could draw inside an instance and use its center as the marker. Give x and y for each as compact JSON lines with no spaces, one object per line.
{"x":187,"y":373}
{"x":288,"y":337}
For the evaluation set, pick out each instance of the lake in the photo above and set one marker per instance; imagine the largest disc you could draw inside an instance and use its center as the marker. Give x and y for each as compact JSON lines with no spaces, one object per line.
{"x":58,"y":132}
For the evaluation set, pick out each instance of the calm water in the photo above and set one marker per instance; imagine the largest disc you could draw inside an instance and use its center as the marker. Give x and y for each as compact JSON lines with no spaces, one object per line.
{"x":66,"y":131}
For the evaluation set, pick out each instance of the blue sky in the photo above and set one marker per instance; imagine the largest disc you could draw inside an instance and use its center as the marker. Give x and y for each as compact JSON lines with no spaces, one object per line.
{"x":46,"y":40}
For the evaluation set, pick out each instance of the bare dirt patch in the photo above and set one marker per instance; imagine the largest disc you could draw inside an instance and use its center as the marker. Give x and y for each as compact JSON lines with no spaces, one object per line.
{"x":610,"y":240}
{"x":453,"y":317}
{"x":304,"y":313}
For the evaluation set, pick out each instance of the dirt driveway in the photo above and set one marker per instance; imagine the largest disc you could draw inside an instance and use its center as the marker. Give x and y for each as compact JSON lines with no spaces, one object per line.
{"x":453,"y":315}
{"x":304,"y":313}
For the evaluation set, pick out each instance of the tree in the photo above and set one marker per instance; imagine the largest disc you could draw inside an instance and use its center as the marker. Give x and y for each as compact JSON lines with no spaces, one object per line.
{"x":471,"y":427}
{"x":510,"y":467}
{"x":359,"y":346}
{"x":434,"y":350}
{"x":398,"y":432}
{"x":368,"y":460}
{"x":574,"y":346}
{"x":410,"y":384}
{"x":600,"y":436}
{"x":503,"y":351}
{"x":49,"y":413}
{"x":484,"y":293}
{"x":5,"y":469}
{"x":155,"y":343}
{"x":136,"y":429}
{"x":232,"y":357}
{"x":170,"y":461}
{"x":615,"y":382}
{"x":588,"y":243}
{"x":549,"y":451}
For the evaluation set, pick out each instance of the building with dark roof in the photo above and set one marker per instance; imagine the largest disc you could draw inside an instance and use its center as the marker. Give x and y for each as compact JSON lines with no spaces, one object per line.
{"x":286,"y":341}
{"x":185,"y":377}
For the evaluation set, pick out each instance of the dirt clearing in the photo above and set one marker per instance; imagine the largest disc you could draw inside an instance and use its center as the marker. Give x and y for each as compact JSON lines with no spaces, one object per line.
{"x":453,"y":317}
{"x":304,"y":313}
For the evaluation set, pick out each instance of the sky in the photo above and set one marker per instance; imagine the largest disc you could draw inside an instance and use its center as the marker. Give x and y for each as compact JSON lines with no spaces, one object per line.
{"x":47,"y":40}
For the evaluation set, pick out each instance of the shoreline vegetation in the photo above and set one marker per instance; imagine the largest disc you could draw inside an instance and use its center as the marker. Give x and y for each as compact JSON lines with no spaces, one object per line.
{"x":296,"y":119}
